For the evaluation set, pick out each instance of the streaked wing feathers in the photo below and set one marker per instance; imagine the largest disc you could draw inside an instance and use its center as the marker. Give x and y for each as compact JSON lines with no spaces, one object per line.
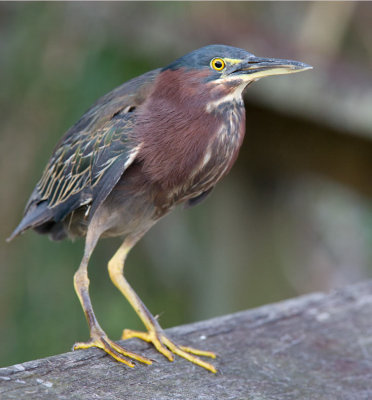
{"x":81,"y":161}
{"x":91,"y":157}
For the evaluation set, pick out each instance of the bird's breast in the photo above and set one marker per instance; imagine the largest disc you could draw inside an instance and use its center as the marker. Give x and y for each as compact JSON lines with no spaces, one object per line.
{"x":221,"y":151}
{"x":188,"y":143}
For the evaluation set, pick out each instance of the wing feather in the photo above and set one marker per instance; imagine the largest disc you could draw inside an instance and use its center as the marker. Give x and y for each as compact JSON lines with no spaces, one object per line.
{"x":90,"y":158}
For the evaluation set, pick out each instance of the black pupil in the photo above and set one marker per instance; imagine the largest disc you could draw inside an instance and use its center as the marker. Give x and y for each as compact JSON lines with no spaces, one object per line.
{"x":218,"y":64}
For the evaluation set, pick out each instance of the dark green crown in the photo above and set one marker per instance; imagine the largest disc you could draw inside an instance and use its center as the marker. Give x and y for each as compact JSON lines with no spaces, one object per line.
{"x":201,"y":58}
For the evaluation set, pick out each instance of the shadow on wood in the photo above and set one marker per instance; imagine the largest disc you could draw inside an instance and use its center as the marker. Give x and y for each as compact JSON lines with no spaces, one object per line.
{"x":313,"y":347}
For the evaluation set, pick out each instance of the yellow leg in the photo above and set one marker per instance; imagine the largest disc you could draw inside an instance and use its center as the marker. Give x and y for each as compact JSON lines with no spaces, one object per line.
{"x":98,"y":337}
{"x":154,"y":332}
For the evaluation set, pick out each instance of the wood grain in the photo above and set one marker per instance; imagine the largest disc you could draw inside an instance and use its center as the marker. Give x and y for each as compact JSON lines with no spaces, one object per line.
{"x":312,"y":347}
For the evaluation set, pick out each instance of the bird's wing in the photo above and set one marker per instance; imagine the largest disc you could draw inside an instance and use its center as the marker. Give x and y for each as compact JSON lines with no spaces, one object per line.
{"x":81,"y":161}
{"x":91,"y":157}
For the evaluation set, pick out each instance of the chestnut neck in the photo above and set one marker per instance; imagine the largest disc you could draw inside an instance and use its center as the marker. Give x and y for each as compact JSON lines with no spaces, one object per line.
{"x":175,"y":128}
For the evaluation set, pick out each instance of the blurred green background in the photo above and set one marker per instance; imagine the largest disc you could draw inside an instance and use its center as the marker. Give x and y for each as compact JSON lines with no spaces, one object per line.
{"x":294,"y":216}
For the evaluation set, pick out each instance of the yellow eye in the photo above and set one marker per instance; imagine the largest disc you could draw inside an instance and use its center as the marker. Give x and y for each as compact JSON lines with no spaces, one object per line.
{"x":218,"y":64}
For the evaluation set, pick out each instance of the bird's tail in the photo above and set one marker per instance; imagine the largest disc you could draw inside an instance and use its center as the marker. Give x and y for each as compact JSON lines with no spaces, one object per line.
{"x":33,"y":218}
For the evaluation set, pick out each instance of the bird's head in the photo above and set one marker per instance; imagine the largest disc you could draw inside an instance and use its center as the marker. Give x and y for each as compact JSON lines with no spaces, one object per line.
{"x":194,"y":117}
{"x":231,"y":69}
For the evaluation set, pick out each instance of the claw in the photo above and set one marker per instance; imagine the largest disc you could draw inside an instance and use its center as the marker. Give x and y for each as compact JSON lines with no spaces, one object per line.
{"x":167,"y":347}
{"x":113,"y":349}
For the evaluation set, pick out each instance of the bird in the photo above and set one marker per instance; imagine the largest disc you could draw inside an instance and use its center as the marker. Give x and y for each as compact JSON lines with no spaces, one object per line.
{"x":160,"y":140}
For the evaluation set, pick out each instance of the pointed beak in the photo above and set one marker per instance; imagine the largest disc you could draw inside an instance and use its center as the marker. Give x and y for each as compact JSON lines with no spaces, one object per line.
{"x":255,"y":67}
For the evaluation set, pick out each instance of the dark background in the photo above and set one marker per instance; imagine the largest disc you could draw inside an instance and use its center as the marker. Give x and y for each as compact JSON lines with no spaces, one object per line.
{"x":294,"y":216}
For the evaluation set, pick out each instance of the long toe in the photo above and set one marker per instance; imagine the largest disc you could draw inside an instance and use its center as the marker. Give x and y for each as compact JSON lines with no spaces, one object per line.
{"x":190,"y":353}
{"x":116,"y":351}
{"x":166,"y":347}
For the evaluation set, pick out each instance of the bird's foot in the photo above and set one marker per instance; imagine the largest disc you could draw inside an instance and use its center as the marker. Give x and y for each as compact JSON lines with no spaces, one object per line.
{"x":167,"y":347}
{"x":110,"y":347}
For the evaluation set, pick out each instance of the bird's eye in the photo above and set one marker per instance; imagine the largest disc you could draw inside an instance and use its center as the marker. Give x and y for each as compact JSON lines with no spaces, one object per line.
{"x":218,"y":64}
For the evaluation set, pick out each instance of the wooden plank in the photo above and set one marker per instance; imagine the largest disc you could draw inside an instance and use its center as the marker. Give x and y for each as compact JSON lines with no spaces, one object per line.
{"x":312,"y":347}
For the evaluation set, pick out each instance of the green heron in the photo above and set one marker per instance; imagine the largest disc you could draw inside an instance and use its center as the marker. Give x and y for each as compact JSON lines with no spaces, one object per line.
{"x":161,"y":139}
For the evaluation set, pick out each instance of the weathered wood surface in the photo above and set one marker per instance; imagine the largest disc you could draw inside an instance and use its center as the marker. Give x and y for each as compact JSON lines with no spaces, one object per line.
{"x":313,"y":347}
